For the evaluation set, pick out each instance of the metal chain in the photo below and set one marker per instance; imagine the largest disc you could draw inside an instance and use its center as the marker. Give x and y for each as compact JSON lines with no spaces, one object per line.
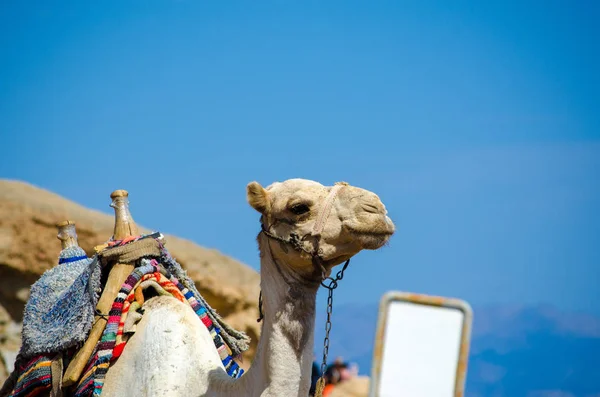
{"x":333,"y":284}
{"x":261,"y":315}
{"x":327,"y":330}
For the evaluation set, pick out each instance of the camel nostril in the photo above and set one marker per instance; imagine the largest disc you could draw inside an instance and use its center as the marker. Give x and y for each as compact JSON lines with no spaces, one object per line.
{"x":371,"y":208}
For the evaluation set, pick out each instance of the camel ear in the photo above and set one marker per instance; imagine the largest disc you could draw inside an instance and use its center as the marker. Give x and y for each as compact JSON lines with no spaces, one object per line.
{"x":257,"y":197}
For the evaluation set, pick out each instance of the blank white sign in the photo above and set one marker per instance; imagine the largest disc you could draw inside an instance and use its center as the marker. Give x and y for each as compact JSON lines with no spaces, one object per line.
{"x":420,"y":348}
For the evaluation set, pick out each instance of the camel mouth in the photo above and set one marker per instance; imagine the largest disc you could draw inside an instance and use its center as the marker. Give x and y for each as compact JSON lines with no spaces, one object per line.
{"x":373,"y":237}
{"x":375,"y":240}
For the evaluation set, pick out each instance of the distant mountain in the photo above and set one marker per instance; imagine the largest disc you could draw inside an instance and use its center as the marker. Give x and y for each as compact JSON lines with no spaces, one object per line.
{"x":516,"y":351}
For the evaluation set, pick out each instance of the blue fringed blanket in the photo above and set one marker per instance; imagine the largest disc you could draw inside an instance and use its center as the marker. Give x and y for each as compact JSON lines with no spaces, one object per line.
{"x":61,"y":307}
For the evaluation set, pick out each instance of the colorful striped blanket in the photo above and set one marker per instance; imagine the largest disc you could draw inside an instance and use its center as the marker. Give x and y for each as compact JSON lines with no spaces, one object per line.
{"x":124,"y":309}
{"x":35,"y":377}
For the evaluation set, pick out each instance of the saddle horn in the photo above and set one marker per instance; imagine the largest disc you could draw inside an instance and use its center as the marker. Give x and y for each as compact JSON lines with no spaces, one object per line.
{"x":67,"y":234}
{"x":124,"y":227}
{"x":124,"y":223}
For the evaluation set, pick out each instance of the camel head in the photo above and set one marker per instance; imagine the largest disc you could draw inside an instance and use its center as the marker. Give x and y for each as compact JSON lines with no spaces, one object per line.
{"x":303,"y":217}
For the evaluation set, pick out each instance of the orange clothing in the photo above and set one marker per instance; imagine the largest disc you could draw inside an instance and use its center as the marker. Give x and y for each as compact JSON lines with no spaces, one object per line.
{"x":327,"y":390}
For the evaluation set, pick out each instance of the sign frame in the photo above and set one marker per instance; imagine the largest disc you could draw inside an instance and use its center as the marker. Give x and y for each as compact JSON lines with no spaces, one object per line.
{"x":430,"y":300}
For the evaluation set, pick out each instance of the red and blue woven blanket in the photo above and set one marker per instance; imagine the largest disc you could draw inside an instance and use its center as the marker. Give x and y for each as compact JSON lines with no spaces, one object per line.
{"x":35,"y":377}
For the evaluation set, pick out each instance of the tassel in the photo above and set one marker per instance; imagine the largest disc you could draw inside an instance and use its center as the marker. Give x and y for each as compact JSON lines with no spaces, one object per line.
{"x":320,"y":387}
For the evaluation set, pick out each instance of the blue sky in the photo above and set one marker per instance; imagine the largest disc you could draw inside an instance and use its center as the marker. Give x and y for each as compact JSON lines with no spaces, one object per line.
{"x":476,"y":123}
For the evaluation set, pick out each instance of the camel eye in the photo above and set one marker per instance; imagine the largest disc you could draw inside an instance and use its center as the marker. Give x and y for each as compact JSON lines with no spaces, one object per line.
{"x":299,"y":209}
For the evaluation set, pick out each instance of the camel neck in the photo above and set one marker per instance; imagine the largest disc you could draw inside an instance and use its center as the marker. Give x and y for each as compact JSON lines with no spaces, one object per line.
{"x":283,"y":361}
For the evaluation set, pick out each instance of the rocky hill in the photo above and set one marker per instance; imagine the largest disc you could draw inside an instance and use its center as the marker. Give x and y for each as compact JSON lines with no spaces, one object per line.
{"x":28,"y":247}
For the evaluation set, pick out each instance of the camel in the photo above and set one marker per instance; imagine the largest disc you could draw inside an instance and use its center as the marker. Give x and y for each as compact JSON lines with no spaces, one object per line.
{"x":306,"y":230}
